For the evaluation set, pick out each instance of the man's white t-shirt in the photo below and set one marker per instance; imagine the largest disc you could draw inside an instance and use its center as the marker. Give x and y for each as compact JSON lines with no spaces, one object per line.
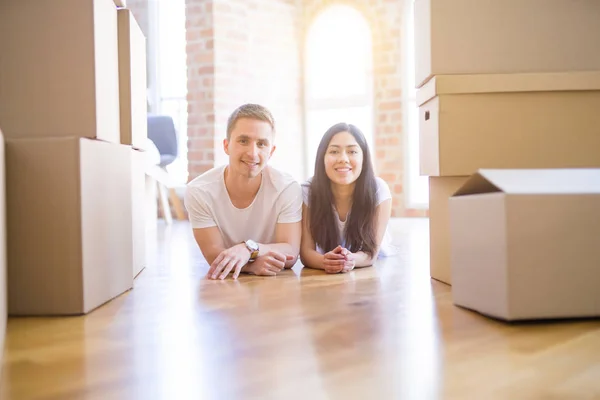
{"x":383,"y":193}
{"x":279,"y":200}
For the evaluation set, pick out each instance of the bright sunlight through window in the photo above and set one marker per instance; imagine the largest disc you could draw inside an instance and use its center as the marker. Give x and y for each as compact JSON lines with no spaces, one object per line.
{"x":339,"y":76}
{"x":172,"y":77}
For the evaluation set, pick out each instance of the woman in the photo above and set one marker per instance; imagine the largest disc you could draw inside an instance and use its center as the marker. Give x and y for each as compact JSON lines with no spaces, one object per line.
{"x":346,"y":208}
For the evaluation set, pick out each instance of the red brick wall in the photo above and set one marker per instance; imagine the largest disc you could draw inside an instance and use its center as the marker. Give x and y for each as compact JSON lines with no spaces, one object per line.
{"x":200,"y":50}
{"x":385,"y":18}
{"x":240,"y":53}
{"x":258,"y":61}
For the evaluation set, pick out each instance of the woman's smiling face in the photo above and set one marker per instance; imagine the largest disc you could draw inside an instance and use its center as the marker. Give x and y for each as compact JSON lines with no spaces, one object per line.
{"x":343,"y":159}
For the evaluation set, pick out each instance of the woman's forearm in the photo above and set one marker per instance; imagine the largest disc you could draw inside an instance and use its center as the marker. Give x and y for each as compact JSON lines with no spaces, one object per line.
{"x":362,"y":259}
{"x":312,"y":259}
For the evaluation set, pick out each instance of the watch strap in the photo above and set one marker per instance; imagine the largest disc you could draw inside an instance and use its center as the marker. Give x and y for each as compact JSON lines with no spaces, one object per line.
{"x":253,"y":252}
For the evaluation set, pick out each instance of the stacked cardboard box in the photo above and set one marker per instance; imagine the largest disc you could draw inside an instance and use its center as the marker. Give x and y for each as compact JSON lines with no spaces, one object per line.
{"x":469,"y":122}
{"x":3,"y":286}
{"x":500,"y":87}
{"x":70,"y":110}
{"x":505,"y":36}
{"x":134,"y":125}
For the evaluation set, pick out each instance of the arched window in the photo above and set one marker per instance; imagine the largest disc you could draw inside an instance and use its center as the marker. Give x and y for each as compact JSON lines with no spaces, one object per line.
{"x":416,"y":186}
{"x":338,"y":76}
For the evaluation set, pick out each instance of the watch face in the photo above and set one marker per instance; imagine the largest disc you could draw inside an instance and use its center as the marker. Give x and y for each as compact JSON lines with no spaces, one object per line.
{"x":252,"y":244}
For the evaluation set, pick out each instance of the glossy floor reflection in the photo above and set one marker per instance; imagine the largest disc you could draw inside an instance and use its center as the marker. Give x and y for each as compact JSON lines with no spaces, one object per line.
{"x":387,"y":332}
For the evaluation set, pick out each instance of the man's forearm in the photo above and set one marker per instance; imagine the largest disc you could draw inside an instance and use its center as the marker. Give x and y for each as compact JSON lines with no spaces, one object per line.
{"x":212,"y":254}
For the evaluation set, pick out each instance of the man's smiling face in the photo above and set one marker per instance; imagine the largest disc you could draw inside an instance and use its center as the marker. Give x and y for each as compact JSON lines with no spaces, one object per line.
{"x":249,"y":147}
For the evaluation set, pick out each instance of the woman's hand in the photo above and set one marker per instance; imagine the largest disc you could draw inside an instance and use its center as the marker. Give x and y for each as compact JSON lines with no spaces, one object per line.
{"x":349,"y":260}
{"x":334,"y":261}
{"x":338,"y":260}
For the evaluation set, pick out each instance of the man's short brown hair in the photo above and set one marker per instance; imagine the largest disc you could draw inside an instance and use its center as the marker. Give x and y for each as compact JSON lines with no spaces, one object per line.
{"x":251,"y":111}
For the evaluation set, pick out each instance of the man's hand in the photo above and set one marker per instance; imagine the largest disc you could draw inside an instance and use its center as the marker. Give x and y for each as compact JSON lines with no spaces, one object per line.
{"x":231,"y":259}
{"x":268,"y":265}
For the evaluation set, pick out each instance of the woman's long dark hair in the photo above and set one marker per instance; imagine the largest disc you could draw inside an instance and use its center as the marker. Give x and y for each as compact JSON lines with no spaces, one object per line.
{"x":360,"y":226}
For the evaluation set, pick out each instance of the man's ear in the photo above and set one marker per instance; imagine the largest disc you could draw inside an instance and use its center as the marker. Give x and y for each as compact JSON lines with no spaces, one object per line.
{"x":272,"y":150}
{"x":226,"y":146}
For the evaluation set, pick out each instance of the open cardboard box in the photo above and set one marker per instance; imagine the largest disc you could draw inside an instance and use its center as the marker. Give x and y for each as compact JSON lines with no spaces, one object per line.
{"x":525,"y":244}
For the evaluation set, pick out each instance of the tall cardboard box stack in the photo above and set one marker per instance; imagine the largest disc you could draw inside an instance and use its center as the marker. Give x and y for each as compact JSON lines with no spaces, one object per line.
{"x":134,"y":131}
{"x":70,"y":172}
{"x":503,"y":84}
{"x":3,"y":286}
{"x":134,"y":125}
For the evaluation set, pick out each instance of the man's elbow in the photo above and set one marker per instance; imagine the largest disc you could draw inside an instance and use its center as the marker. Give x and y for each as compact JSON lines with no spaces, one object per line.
{"x":294,"y":252}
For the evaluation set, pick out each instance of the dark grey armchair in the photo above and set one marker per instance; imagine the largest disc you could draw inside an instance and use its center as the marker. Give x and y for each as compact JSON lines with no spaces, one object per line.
{"x":161,"y":130}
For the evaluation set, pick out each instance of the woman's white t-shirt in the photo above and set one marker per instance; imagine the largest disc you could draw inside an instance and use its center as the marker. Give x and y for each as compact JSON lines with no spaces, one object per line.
{"x":383,"y":193}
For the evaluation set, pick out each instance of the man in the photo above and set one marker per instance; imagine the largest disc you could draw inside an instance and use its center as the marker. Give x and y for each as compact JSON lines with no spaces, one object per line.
{"x":246,"y":216}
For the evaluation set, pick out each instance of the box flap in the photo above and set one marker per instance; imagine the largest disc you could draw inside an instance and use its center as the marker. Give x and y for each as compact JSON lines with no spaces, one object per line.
{"x":533,"y":181}
{"x":476,"y":184}
{"x":427,"y":91}
{"x":496,"y":83}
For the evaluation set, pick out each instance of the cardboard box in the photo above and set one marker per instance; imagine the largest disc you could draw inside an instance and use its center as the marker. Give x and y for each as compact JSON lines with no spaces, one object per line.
{"x":138,"y":190}
{"x":132,"y":80}
{"x":59,"y":73}
{"x":509,"y":121}
{"x":509,"y":36}
{"x":151,"y":203}
{"x":69,"y":224}
{"x":440,"y":190}
{"x":3,"y":287}
{"x":525,"y":243}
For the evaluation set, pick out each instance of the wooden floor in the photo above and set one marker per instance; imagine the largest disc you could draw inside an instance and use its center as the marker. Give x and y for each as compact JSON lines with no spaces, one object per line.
{"x":387,"y":332}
